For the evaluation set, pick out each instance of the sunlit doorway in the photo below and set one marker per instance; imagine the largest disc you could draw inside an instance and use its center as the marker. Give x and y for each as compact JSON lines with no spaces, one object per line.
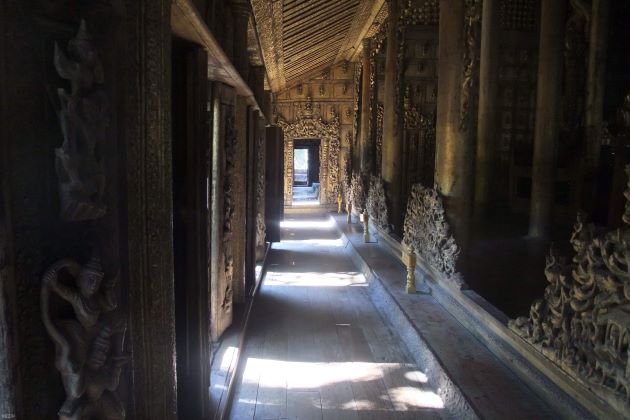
{"x":306,"y":184}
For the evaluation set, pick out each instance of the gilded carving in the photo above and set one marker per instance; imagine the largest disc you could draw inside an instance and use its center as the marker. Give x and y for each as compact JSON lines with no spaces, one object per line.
{"x":84,"y":117}
{"x":582,"y":322}
{"x":309,"y":126}
{"x":427,"y":232}
{"x":89,"y":345}
{"x":377,"y":204}
{"x":472,"y":23}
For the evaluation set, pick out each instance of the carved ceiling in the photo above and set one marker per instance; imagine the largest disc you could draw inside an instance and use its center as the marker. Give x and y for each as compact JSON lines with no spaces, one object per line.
{"x":302,"y":37}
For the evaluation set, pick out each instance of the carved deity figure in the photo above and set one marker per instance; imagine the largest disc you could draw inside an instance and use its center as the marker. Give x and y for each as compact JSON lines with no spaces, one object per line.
{"x":89,"y":348}
{"x":83,"y":117}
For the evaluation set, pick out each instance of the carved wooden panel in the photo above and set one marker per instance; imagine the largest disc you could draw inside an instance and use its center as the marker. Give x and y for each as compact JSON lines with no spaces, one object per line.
{"x":223,"y":155}
{"x":419,"y":99}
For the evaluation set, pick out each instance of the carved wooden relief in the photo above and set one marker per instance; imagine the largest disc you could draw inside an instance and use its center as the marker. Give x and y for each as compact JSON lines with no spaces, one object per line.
{"x":427,"y":232}
{"x":519,"y":15}
{"x":380,"y":110}
{"x":377,"y":204}
{"x":84,"y":116}
{"x":260,"y":189}
{"x":359,"y":184}
{"x":90,"y":344}
{"x":222,"y":259}
{"x":582,"y":322}
{"x":470,"y":62}
{"x":312,"y":126}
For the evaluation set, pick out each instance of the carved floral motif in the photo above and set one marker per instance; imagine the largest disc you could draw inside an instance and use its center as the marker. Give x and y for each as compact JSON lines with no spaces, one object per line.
{"x":377,"y":204}
{"x":426,"y":231}
{"x":582,"y":322}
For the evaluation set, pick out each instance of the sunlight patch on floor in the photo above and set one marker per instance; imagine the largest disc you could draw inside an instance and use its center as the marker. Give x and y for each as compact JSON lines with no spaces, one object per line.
{"x":306,"y":376}
{"x":315,"y":279}
{"x":308,"y":224}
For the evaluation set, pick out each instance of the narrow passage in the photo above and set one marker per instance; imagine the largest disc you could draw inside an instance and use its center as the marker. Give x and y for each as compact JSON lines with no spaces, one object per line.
{"x":317,"y":347}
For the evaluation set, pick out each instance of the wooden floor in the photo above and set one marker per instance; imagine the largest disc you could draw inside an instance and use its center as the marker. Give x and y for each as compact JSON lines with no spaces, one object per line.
{"x":316,"y":347}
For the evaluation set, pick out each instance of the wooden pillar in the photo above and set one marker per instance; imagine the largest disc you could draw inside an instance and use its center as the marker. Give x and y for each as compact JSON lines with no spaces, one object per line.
{"x":595,"y":87}
{"x":149,"y":209}
{"x":454,"y":151}
{"x":240,"y":12}
{"x":392,"y":139}
{"x":250,"y":204}
{"x":548,"y":105}
{"x":488,"y":116}
{"x":364,"y":142}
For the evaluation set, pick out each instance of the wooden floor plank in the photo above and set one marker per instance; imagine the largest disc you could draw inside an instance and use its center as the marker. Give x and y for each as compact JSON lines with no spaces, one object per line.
{"x":320,"y":349}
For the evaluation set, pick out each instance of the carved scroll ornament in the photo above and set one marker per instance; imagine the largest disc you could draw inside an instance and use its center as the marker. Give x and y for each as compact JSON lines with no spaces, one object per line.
{"x":426,"y":231}
{"x":376,"y":203}
{"x":84,"y":118}
{"x":89,"y":346}
{"x":582,"y":322}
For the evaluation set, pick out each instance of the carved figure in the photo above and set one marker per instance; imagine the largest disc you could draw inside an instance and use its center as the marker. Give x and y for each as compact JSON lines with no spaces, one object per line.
{"x":83,"y":114}
{"x":89,"y":348}
{"x":582,"y":322}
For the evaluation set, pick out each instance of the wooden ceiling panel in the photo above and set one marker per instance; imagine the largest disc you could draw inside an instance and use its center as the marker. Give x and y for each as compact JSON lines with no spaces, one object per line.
{"x":301,"y":37}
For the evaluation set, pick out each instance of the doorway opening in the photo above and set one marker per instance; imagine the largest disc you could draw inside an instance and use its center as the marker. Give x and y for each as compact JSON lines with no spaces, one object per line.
{"x":306,"y":185}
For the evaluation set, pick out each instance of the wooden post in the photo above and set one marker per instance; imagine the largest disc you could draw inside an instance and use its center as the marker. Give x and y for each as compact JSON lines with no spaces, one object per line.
{"x":548,"y":105}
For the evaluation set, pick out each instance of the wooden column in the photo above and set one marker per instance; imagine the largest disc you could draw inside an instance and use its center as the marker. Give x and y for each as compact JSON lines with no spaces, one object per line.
{"x":149,"y":209}
{"x":548,"y":105}
{"x":488,"y":116}
{"x":240,"y":12}
{"x":595,"y":87}
{"x":250,"y":204}
{"x":392,"y":139}
{"x":365,"y":142}
{"x":454,"y":151}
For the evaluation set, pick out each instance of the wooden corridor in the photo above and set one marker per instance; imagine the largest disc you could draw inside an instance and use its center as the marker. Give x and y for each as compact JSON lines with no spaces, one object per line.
{"x":317,"y":347}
